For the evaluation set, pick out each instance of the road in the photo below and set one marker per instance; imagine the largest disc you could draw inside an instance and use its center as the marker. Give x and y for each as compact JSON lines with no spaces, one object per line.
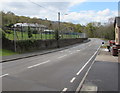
{"x":57,"y":71}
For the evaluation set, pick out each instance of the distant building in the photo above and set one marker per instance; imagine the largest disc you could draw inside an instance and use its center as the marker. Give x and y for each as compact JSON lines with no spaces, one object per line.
{"x":117,"y":30}
{"x":24,"y":27}
{"x":47,"y":31}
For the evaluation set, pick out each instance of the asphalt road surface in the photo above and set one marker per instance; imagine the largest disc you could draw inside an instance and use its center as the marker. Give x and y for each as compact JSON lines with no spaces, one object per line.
{"x":58,"y":71}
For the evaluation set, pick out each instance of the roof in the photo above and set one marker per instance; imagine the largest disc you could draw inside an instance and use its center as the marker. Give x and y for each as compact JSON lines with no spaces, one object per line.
{"x":117,"y":21}
{"x":29,"y":24}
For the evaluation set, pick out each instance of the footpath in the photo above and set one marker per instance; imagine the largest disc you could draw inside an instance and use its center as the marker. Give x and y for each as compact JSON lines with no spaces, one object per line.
{"x":103,"y":76}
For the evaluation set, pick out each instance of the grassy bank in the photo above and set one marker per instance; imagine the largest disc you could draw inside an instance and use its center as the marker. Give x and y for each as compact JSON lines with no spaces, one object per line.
{"x":4,"y":52}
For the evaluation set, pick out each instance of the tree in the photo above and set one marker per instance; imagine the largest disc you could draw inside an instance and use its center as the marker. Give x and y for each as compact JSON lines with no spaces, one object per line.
{"x":91,"y":30}
{"x":29,"y":32}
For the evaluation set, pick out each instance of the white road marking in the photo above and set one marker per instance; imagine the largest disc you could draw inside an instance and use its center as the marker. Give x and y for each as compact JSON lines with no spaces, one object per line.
{"x":86,"y":64}
{"x":83,"y":79}
{"x":64,"y":90}
{"x":38,"y":64}
{"x":71,"y":53}
{"x":116,"y":59}
{"x":89,"y":45}
{"x":62,"y":56}
{"x":78,"y":50}
{"x":61,"y":51}
{"x":81,"y":83}
{"x":4,"y":75}
{"x":72,"y":80}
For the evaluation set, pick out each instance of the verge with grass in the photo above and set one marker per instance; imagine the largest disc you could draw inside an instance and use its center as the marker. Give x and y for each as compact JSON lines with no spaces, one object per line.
{"x":4,"y":52}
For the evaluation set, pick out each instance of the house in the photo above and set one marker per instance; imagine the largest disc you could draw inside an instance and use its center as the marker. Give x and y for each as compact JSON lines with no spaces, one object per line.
{"x":24,"y":27}
{"x":117,"y":30}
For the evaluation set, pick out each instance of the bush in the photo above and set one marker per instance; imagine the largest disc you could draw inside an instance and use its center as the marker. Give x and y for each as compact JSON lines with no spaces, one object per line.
{"x":9,"y":31}
{"x":2,"y":34}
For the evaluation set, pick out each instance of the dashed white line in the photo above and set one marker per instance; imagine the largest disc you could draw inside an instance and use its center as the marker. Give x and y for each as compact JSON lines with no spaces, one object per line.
{"x":4,"y":75}
{"x":61,"y":51}
{"x":72,"y":80}
{"x":71,"y":53}
{"x":38,"y":64}
{"x":62,"y":56}
{"x":89,"y":45}
{"x":64,"y":90}
{"x":78,"y":50}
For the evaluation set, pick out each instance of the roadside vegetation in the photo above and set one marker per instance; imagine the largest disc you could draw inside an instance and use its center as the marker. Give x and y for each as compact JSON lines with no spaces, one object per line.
{"x":30,"y":39}
{"x":4,"y":52}
{"x":93,"y":29}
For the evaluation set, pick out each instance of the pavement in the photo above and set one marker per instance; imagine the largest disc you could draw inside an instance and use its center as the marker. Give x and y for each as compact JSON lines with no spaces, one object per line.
{"x":103,"y":77}
{"x":36,"y":53}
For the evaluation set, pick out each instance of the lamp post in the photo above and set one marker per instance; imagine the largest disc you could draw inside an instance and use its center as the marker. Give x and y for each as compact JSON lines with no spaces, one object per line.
{"x":57,"y":31}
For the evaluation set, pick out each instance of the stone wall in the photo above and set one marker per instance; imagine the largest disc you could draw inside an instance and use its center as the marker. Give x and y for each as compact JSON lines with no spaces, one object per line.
{"x":31,"y":45}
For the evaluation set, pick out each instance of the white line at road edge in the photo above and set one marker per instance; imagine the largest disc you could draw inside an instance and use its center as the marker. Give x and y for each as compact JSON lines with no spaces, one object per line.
{"x":4,"y":75}
{"x":38,"y":64}
{"x":87,"y":63}
{"x":81,"y":83}
{"x":72,"y":80}
{"x":64,"y":90}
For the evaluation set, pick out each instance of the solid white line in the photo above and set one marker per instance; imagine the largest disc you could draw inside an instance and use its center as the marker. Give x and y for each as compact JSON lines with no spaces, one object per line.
{"x":72,"y":80}
{"x":38,"y":64}
{"x":83,"y":79}
{"x":62,"y":56}
{"x":64,"y":90}
{"x":86,"y":64}
{"x":4,"y":75}
{"x":81,"y":83}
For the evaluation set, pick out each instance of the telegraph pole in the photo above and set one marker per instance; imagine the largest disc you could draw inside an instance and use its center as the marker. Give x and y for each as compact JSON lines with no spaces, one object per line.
{"x":57,"y":33}
{"x":59,"y":21}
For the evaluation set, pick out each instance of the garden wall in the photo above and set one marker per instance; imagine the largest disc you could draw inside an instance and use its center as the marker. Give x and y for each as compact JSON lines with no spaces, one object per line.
{"x":31,"y":45}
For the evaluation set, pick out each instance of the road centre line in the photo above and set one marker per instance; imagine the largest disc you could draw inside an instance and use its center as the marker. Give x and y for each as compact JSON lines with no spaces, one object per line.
{"x":78,"y":50}
{"x":4,"y":75}
{"x":72,"y":80}
{"x":62,"y":56}
{"x":61,"y":51}
{"x":71,"y":53}
{"x":38,"y":64}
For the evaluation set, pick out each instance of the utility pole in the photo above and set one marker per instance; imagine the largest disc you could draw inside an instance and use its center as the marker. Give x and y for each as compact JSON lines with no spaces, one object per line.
{"x":57,"y":32}
{"x":59,"y":21}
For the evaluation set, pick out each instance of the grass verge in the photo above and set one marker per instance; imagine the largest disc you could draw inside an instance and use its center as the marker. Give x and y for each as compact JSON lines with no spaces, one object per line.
{"x":4,"y":52}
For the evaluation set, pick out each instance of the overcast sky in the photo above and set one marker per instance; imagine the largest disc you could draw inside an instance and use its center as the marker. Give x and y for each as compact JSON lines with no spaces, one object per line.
{"x":75,"y":11}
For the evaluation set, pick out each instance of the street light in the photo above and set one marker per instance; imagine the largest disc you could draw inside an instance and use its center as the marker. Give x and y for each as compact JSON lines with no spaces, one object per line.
{"x":57,"y":37}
